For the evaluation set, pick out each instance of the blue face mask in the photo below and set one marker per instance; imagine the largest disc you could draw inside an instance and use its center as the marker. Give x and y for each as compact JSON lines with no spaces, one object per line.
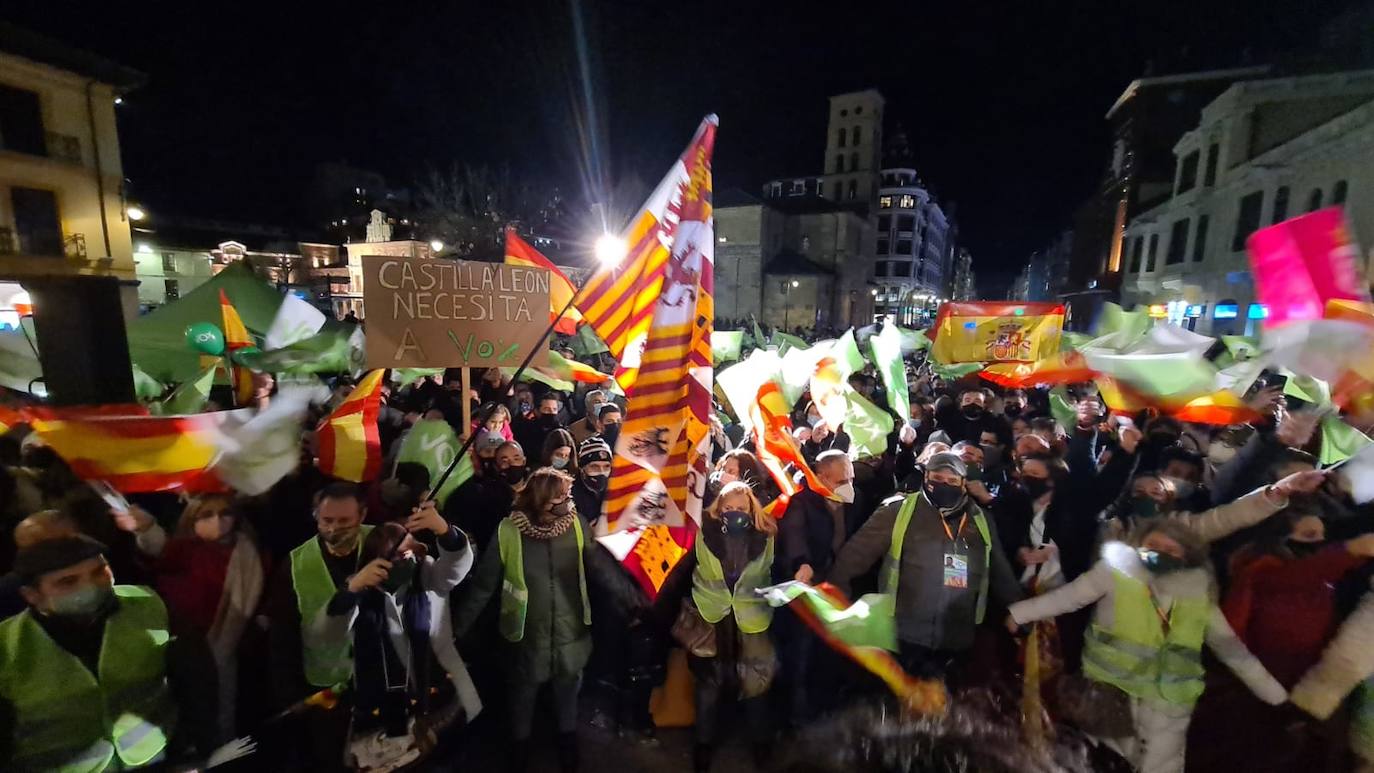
{"x":87,"y":603}
{"x":558,"y":463}
{"x":1160,"y":563}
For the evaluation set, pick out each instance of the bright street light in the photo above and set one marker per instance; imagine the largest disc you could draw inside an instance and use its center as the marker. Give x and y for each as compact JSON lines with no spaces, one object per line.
{"x":795,"y":283}
{"x":135,"y":213}
{"x":145,"y":248}
{"x":436,"y":245}
{"x":610,"y":249}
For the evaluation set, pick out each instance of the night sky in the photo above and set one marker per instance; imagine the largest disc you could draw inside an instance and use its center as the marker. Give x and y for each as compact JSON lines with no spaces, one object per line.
{"x":1003,"y":103}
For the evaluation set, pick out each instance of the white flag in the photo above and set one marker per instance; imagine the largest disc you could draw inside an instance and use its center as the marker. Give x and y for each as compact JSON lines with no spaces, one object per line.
{"x":296,"y":320}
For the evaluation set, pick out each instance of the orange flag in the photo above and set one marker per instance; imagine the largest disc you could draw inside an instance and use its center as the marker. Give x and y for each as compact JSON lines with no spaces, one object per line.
{"x":778,"y":448}
{"x":350,"y":447}
{"x":561,"y":290}
{"x":236,"y":337}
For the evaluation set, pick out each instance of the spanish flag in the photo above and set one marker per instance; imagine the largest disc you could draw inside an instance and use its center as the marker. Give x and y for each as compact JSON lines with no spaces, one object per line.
{"x":136,"y":453}
{"x":561,"y":290}
{"x":778,"y":448}
{"x":236,"y":337}
{"x":350,"y":447}
{"x":996,"y":332}
{"x":1062,"y":368}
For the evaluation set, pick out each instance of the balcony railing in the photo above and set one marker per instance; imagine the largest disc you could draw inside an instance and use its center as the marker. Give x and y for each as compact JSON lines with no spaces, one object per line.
{"x":64,"y":147}
{"x":74,"y":246}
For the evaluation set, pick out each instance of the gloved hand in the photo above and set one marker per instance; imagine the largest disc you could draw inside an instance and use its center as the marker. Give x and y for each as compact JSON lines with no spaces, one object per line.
{"x":239,"y":747}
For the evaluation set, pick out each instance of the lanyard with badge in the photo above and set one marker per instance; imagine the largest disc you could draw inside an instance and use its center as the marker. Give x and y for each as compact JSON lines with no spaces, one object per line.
{"x":956,"y":557}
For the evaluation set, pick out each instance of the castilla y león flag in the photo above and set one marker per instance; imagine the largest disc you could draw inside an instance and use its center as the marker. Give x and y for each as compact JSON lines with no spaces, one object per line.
{"x":521,"y":253}
{"x":655,"y":313}
{"x":996,"y":332}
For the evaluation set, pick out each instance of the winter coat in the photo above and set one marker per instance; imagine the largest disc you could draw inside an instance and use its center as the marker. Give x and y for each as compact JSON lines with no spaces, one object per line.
{"x":1346,"y":662}
{"x":806,"y":534}
{"x":1098,"y":586}
{"x":928,"y":613}
{"x":1211,"y":525}
{"x":438,"y":576}
{"x":1284,"y":608}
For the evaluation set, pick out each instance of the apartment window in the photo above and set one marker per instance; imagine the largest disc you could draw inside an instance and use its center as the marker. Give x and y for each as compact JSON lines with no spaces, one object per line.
{"x":844,"y":113}
{"x":1200,"y":239}
{"x":880,"y":268}
{"x":1187,"y":172}
{"x":854,"y":161}
{"x":841,"y":144}
{"x":839,"y":188}
{"x":1314,"y":200}
{"x":1151,"y":253}
{"x":1178,"y":242}
{"x":1280,"y":205}
{"x":859,"y":110}
{"x":1209,"y":177}
{"x":910,"y":269}
{"x":36,"y":222}
{"x":777,"y":190}
{"x":1138,"y":249}
{"x":1339,"y":192}
{"x":884,"y":202}
{"x":1247,"y":220}
{"x":906,"y":223}
{"x":853,"y":188}
{"x":172,"y":288}
{"x":21,"y":122}
{"x":903,"y":246}
{"x":857,"y":134}
{"x":839,"y":163}
{"x":169,"y":263}
{"x":907,"y":201}
{"x":883,"y":246}
{"x":885,"y":221}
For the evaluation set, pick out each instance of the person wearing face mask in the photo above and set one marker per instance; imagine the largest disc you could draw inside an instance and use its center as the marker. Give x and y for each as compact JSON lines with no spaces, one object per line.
{"x":478,"y":505}
{"x":1184,"y":469}
{"x":941,"y":557}
{"x":593,"y":475}
{"x":607,"y":423}
{"x":823,"y":437}
{"x":559,"y":452}
{"x":967,"y":419}
{"x":395,"y":611}
{"x":91,"y":678}
{"x":741,"y":465}
{"x":1014,"y":404}
{"x":539,"y":568}
{"x":1282,"y":602}
{"x":715,"y":585}
{"x":585,"y":427}
{"x":211,"y":576}
{"x":813,"y":528}
{"x":305,"y":653}
{"x":1143,"y":657}
{"x":534,"y":431}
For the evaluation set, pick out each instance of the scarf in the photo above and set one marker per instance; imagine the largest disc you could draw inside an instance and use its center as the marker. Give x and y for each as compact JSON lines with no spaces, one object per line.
{"x":549,"y":530}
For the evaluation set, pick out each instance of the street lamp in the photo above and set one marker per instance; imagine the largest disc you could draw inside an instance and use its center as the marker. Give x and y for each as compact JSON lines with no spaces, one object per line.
{"x":436,"y":245}
{"x":135,"y":213}
{"x":786,"y":288}
{"x":610,"y":249}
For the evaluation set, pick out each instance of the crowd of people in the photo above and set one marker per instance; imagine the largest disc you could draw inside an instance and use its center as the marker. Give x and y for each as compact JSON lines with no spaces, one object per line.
{"x":1197,"y":596}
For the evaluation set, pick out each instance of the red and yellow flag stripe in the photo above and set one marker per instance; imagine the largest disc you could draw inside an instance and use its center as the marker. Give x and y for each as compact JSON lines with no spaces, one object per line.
{"x":350,"y":447}
{"x":521,"y":253}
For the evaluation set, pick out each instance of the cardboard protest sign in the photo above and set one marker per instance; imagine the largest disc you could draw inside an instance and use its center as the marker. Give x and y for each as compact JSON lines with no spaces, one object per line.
{"x":429,"y":312}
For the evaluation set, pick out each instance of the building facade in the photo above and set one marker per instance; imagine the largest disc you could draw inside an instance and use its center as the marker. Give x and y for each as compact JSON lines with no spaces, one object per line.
{"x":739,"y":256}
{"x":1264,"y":151}
{"x":1045,"y":275}
{"x":816,"y":260}
{"x":912,"y":249}
{"x":963,"y":287}
{"x":854,"y":142}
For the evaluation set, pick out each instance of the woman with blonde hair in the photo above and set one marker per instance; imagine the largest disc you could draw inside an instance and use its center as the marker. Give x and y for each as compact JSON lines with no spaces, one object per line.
{"x":539,"y":566}
{"x":211,"y":574}
{"x":723,"y":623}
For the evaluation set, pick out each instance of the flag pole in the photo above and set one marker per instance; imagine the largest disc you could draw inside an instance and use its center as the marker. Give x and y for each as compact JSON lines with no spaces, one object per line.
{"x":486,"y":414}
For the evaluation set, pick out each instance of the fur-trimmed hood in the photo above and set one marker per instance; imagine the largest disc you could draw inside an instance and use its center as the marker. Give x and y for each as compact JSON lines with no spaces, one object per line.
{"x":1194,"y":581}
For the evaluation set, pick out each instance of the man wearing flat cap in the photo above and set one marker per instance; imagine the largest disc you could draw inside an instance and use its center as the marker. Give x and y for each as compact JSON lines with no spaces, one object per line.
{"x":941,"y":557}
{"x":84,"y":669}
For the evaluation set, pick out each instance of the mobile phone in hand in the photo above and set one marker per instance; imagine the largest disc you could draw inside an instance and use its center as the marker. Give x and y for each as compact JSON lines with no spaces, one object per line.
{"x":113,"y":498}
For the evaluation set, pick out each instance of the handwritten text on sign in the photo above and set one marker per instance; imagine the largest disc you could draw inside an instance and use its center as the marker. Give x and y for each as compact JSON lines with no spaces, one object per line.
{"x":429,"y":312}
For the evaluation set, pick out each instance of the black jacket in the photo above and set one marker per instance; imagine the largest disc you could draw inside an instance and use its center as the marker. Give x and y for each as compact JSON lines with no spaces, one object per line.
{"x":806,"y":535}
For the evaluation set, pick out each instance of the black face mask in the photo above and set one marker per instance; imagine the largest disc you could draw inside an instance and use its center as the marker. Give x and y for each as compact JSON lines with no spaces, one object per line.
{"x":1305,"y":549}
{"x":513,"y":475}
{"x":1036,"y":487}
{"x":972,"y":411}
{"x":1013,"y":410}
{"x":549,"y":421}
{"x":944,"y":495}
{"x":611,"y":434}
{"x":736,"y":522}
{"x":596,"y":483}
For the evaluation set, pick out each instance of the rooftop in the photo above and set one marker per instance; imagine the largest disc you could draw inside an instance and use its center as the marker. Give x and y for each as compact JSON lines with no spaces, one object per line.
{"x":45,"y":50}
{"x":1233,"y":74}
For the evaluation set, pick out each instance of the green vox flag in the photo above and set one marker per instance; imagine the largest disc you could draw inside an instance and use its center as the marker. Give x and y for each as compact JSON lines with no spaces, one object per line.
{"x":189,"y":397}
{"x":887,"y":356}
{"x":327,"y":352}
{"x":586,"y":343}
{"x":846,"y":353}
{"x":785,"y":341}
{"x":957,"y":370}
{"x":726,"y":345}
{"x":866,"y":424}
{"x":433,"y":443}
{"x":759,"y":341}
{"x":1340,"y":441}
{"x":1063,"y":411}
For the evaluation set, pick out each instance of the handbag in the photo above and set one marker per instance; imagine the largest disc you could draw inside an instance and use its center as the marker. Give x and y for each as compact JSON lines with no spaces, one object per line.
{"x":1096,"y":708}
{"x":693,"y":632}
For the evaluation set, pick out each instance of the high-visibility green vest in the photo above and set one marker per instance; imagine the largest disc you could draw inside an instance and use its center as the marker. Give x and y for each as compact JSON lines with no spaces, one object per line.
{"x":68,"y":719}
{"x":515,"y":595}
{"x":1138,"y":656}
{"x":892,"y":563}
{"x":327,"y":663}
{"x":714,"y":600}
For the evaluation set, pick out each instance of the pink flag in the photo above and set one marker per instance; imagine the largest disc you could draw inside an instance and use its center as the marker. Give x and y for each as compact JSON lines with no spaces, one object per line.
{"x":1302,"y":263}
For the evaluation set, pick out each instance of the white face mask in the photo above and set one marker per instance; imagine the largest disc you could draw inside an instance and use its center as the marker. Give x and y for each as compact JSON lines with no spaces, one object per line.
{"x":1220,"y":453}
{"x":845,"y":493}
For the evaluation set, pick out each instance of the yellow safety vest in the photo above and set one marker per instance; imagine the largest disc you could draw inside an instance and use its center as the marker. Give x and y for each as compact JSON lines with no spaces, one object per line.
{"x":515,"y":595}
{"x":714,"y":600}
{"x":327,"y":663}
{"x":68,"y":719}
{"x":1139,"y":656}
{"x":892,"y":563}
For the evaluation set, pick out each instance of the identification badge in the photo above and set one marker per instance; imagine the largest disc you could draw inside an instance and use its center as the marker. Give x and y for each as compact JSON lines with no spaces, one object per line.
{"x":956,"y":570}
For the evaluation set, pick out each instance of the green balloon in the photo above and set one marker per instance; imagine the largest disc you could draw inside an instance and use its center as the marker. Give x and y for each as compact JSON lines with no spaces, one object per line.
{"x":205,"y":338}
